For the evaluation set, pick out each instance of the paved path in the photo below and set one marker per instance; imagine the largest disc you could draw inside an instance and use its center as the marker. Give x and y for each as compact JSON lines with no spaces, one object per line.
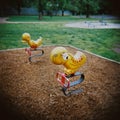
{"x":3,"y":19}
{"x":93,"y":25}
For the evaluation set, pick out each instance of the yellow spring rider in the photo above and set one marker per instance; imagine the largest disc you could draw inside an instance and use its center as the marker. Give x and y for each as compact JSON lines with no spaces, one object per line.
{"x":60,"y":56}
{"x":34,"y":46}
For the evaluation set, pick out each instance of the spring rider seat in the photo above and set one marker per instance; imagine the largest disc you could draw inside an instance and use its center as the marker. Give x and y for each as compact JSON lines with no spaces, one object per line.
{"x":60,"y":56}
{"x":34,"y":46}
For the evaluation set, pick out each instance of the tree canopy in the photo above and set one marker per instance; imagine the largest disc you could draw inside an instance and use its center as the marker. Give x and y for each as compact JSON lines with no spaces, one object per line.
{"x":76,"y":7}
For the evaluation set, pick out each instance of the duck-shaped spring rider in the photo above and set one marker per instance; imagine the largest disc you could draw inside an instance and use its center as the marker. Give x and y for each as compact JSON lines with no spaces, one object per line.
{"x":60,"y":56}
{"x":34,"y":46}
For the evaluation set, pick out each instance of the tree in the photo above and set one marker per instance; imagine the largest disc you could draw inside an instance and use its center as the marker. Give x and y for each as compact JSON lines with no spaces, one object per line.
{"x":86,"y":7}
{"x":40,"y":9}
{"x":63,"y":5}
{"x":112,"y":7}
{"x":7,"y":5}
{"x":49,"y":7}
{"x":55,"y":6}
{"x":73,"y":6}
{"x":90,"y":7}
{"x":19,"y":5}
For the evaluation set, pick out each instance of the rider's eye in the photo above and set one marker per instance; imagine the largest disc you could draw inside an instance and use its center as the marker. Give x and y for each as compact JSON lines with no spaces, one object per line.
{"x":65,"y":56}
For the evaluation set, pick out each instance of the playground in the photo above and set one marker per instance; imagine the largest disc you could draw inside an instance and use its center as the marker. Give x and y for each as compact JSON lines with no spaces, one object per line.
{"x":29,"y":91}
{"x":59,"y":60}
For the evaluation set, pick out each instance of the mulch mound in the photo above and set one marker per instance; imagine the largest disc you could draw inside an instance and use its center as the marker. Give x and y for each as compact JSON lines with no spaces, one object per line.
{"x":29,"y":91}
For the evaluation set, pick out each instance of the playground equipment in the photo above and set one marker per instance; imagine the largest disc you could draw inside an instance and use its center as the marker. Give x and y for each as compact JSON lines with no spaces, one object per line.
{"x":34,"y":46}
{"x":60,"y":56}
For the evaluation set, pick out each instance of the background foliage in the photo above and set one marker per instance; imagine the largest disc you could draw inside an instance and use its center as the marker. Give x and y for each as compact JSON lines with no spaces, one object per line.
{"x":77,"y":7}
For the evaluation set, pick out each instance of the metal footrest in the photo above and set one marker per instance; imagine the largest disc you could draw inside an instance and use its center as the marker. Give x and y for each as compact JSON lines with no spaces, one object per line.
{"x":66,"y":84}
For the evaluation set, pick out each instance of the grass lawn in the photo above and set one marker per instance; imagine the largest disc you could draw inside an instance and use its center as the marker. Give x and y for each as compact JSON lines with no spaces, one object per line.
{"x":53,"y":31}
{"x":47,"y":18}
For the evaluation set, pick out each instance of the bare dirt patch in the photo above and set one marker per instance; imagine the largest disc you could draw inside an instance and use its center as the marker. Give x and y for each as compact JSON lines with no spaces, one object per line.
{"x":31,"y":92}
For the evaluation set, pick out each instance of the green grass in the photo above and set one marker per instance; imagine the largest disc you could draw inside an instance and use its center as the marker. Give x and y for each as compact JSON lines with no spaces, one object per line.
{"x":56,"y":19}
{"x":99,"y":41}
{"x":47,"y":19}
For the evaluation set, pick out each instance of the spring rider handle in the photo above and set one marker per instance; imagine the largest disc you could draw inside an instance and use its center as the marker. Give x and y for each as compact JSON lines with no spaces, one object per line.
{"x":63,"y":80}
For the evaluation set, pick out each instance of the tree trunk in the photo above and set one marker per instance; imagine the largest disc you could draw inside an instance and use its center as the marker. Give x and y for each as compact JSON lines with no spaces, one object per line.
{"x":87,"y":11}
{"x":19,"y":7}
{"x":40,"y":8}
{"x":62,"y":12}
{"x":40,"y":16}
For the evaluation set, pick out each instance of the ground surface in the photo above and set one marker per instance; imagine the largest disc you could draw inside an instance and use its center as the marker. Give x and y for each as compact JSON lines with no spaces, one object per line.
{"x":31,"y":92}
{"x":84,"y":24}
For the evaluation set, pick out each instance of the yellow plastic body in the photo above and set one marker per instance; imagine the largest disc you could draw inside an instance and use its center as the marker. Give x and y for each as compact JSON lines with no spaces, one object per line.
{"x":26,"y":38}
{"x":56,"y":55}
{"x":60,"y":56}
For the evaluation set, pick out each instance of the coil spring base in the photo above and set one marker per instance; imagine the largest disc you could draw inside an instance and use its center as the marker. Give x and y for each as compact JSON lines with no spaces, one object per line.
{"x":66,"y":84}
{"x":29,"y":51}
